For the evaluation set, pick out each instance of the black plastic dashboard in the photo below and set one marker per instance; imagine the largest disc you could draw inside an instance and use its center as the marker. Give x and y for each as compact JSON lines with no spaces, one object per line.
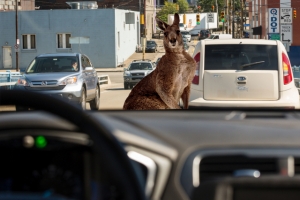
{"x":179,"y":153}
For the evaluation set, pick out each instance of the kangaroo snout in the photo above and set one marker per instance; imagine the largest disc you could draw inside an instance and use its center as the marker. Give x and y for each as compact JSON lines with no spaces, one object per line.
{"x":173,"y":41}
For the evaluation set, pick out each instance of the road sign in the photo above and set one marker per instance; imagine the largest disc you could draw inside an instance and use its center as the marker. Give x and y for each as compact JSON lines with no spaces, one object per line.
{"x":273,"y":20}
{"x":286,"y":33}
{"x":210,"y":17}
{"x":16,"y":46}
{"x":274,"y":36}
{"x":286,"y":16}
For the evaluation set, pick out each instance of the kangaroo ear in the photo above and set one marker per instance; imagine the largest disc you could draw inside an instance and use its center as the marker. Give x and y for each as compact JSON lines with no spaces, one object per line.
{"x":161,"y":24}
{"x":176,"y":19}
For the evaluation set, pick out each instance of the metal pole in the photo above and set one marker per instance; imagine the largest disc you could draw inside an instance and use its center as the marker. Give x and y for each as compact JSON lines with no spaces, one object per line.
{"x":233,"y":19}
{"x":17,"y":39}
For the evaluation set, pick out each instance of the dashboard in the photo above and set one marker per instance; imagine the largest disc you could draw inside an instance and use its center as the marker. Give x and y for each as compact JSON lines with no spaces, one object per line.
{"x":192,"y":154}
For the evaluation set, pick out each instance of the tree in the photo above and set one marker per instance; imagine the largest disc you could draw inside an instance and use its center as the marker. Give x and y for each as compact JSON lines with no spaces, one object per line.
{"x":183,"y":6}
{"x":168,"y":8}
{"x":206,"y":5}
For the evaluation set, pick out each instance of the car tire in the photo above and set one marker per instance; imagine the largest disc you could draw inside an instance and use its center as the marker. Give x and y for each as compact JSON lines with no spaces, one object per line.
{"x":82,"y":102}
{"x":95,"y":103}
{"x":126,"y":86}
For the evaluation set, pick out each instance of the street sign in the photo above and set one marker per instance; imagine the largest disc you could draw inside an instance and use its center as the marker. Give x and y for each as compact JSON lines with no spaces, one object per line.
{"x":273,"y":20}
{"x":274,"y":36}
{"x":286,"y":33}
{"x":16,"y":46}
{"x":210,"y":18}
{"x":286,"y":16}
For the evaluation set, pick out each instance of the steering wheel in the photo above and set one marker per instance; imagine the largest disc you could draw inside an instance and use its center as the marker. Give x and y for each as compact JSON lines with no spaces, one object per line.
{"x":103,"y":141}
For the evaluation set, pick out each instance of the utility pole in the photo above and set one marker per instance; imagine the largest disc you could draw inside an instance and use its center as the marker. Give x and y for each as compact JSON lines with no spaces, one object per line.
{"x":242,"y":14}
{"x":233,"y":19}
{"x":17,"y":39}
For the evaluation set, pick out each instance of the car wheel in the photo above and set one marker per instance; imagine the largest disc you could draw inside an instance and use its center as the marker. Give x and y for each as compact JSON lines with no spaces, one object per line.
{"x":103,"y":142}
{"x":95,"y":103}
{"x":126,"y":86}
{"x":82,"y":102}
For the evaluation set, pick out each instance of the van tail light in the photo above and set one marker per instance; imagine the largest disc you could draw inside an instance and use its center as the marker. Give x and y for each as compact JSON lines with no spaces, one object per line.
{"x":287,"y":71}
{"x":197,"y":72}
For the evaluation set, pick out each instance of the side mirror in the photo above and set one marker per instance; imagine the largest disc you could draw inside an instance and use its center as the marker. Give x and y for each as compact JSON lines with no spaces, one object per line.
{"x":125,"y":69}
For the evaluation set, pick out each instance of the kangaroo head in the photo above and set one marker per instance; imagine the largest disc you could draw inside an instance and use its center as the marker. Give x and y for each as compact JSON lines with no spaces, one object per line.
{"x":172,"y":36}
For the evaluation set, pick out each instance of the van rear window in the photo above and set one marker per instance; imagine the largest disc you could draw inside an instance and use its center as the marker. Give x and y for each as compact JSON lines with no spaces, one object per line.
{"x":241,"y":57}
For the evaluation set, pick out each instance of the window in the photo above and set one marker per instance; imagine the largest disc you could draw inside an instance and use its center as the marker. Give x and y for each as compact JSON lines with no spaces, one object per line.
{"x":28,"y":41}
{"x":63,"y":41}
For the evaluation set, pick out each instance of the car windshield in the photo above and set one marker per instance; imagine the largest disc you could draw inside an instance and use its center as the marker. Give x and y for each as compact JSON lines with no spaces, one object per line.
{"x":151,"y":43}
{"x":159,"y":99}
{"x":52,"y":64}
{"x":140,"y":66}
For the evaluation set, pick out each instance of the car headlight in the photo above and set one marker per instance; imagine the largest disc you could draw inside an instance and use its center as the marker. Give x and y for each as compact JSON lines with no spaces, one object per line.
{"x":148,"y":72}
{"x":22,"y":81}
{"x":126,"y":73}
{"x":69,"y":80}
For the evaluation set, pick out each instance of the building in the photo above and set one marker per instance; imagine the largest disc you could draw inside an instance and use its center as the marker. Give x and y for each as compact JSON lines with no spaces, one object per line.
{"x":278,"y":20}
{"x":9,"y":5}
{"x":110,"y":40}
{"x":147,"y":8}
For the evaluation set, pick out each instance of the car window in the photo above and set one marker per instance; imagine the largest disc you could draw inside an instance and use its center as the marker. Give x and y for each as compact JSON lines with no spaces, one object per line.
{"x":237,"y":57}
{"x":51,"y":64}
{"x":140,"y":66}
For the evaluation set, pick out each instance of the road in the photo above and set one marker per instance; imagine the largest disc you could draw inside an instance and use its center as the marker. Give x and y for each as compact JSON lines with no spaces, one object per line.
{"x":114,"y":95}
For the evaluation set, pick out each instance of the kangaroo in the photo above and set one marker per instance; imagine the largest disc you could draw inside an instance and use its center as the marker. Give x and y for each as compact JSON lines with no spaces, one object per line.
{"x":171,"y":79}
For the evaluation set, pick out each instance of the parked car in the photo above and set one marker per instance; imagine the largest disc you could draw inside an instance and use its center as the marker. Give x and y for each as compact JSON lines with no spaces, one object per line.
{"x":196,"y":30}
{"x":219,"y":36}
{"x":243,"y":73}
{"x":203,"y":34}
{"x":136,"y":71}
{"x":151,"y":46}
{"x":54,"y":75}
{"x":186,"y":34}
{"x":186,"y":47}
{"x":182,"y":27}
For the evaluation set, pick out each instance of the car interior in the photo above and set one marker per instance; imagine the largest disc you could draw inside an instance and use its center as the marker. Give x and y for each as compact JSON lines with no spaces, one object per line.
{"x":58,"y":151}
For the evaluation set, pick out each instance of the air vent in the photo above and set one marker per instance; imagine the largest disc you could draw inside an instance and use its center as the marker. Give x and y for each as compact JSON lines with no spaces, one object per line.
{"x":218,"y":167}
{"x":297,"y":165}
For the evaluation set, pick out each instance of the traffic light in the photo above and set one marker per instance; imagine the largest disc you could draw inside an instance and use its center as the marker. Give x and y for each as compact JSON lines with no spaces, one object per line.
{"x":213,"y":7}
{"x":198,"y":19}
{"x":295,"y":13}
{"x":142,"y":19}
{"x":184,"y":18}
{"x":222,"y":16}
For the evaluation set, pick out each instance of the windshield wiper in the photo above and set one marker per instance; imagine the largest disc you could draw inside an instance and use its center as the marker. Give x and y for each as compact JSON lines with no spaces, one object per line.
{"x":254,"y":63}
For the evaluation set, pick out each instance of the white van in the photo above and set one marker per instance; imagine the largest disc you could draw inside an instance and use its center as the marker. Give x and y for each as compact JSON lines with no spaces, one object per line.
{"x":243,"y":73}
{"x":219,"y":36}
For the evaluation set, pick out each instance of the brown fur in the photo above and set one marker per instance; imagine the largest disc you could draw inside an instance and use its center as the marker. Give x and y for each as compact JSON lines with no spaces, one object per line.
{"x":170,"y":81}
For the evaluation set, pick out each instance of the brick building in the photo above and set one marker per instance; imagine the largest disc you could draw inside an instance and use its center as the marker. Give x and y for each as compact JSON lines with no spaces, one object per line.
{"x":259,"y":15}
{"x":9,"y":5}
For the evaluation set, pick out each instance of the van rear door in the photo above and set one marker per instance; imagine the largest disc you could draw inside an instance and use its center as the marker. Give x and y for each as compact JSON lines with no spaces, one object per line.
{"x":241,"y":72}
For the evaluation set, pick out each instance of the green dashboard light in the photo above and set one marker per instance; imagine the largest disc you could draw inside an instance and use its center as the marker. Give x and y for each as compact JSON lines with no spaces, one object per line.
{"x":40,"y":142}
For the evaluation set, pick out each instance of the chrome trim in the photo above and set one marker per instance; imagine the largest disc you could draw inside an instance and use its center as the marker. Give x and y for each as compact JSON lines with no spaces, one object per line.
{"x":151,"y":166}
{"x":196,"y":171}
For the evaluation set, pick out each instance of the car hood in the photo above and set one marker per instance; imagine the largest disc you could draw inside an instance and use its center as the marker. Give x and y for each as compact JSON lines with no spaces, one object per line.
{"x":48,"y":76}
